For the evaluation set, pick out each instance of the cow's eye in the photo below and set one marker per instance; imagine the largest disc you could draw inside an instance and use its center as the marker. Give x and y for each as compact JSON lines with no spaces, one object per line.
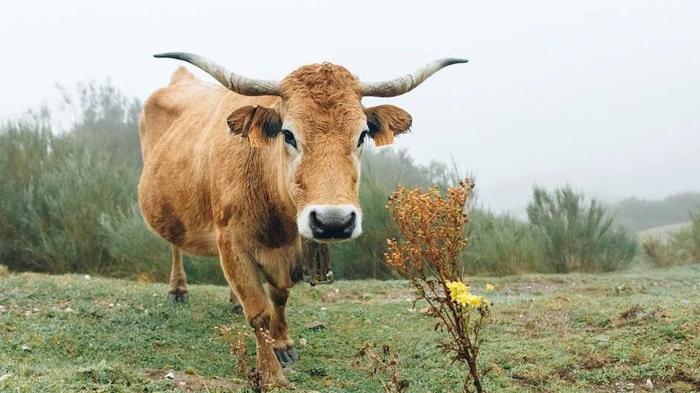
{"x":289,"y":138}
{"x":362,"y":139}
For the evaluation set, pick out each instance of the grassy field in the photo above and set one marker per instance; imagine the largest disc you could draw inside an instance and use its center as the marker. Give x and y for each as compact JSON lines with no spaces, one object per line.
{"x":549,"y":333}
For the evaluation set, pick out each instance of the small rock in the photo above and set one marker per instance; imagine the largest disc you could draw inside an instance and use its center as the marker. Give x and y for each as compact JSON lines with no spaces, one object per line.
{"x":648,"y":385}
{"x":68,"y":310}
{"x":337,"y":290}
{"x":5,"y":377}
{"x":323,"y":309}
{"x":182,"y":383}
{"x":87,"y":276}
{"x":170,"y":375}
{"x":25,"y":348}
{"x":302,"y":342}
{"x":316,"y":325}
{"x":111,"y":305}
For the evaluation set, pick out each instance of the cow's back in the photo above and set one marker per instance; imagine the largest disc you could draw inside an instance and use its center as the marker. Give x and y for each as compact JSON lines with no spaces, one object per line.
{"x":184,"y":96}
{"x":185,"y":142}
{"x":175,"y":130}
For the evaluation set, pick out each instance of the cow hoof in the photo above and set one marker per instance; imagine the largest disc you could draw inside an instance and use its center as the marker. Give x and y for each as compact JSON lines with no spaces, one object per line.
{"x":277,"y":380}
{"x":287,"y":356}
{"x":237,"y":309}
{"x":178,"y":296}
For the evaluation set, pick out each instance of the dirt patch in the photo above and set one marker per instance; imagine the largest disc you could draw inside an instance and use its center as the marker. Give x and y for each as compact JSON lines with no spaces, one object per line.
{"x":388,"y":295}
{"x":596,"y":360}
{"x":193,"y":382}
{"x":636,"y":313}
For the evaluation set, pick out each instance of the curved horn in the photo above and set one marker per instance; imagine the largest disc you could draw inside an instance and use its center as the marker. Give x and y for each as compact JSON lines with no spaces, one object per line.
{"x":239,"y":84}
{"x":406,"y":83}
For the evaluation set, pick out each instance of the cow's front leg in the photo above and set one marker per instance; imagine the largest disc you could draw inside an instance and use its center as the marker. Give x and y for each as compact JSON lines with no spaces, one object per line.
{"x":283,"y":345}
{"x":243,"y":278}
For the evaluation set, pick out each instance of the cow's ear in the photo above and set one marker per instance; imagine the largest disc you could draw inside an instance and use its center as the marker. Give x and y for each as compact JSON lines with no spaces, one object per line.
{"x":257,"y":123}
{"x":385,"y":121}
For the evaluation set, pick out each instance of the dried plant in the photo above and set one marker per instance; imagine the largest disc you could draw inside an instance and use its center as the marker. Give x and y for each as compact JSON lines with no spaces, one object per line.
{"x":432,"y":230}
{"x":384,"y":366}
{"x":236,"y":341}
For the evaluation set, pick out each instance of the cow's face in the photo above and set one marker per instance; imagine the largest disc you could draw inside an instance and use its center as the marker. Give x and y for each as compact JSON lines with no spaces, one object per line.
{"x":320,"y":128}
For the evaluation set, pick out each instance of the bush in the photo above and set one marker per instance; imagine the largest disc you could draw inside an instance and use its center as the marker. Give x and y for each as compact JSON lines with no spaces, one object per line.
{"x":579,"y":235}
{"x":501,"y":245}
{"x":682,"y":246}
{"x":54,"y":186}
{"x":432,"y":239}
{"x":689,"y":239}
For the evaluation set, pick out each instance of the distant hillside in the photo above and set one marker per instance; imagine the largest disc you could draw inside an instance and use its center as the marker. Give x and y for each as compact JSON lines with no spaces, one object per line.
{"x":638,"y":214}
{"x":663,"y":232}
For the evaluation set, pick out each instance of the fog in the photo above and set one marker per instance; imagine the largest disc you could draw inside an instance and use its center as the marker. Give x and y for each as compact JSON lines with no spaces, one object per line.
{"x":601,"y":95}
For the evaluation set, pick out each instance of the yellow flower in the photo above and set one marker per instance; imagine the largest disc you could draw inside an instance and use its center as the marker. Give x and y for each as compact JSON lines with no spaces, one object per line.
{"x":466,"y":299}
{"x":475,"y":301}
{"x":462,"y":299}
{"x":490,"y":287}
{"x":456,"y":288}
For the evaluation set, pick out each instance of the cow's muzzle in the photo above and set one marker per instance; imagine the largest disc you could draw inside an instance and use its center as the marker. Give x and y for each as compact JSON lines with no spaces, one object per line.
{"x":330,"y":222}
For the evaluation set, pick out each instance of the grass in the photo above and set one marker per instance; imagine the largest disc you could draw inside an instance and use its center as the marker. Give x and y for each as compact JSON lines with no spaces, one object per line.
{"x":549,"y":333}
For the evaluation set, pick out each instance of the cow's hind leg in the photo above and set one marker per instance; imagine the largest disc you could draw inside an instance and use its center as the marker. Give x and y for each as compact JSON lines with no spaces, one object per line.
{"x":178,"y":280}
{"x":283,"y":345}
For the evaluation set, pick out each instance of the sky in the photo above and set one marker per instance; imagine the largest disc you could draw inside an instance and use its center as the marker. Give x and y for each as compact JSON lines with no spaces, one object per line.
{"x":601,"y":95}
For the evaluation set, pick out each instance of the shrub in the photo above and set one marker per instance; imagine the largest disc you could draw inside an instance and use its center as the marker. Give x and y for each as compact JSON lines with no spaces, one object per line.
{"x":579,"y":235}
{"x":657,"y":251}
{"x":688,"y":239}
{"x":55,"y":186}
{"x":682,"y":246}
{"x":501,"y":245}
{"x":432,"y":232}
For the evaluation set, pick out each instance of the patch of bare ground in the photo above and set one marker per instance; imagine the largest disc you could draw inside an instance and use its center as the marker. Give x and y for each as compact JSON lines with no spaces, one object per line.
{"x":383,"y":296}
{"x":189,"y":381}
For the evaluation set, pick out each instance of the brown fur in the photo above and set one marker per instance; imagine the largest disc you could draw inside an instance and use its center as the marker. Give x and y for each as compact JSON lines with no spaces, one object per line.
{"x":217,"y":180}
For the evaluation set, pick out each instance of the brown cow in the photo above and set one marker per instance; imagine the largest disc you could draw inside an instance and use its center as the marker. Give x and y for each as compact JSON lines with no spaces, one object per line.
{"x":241,"y":172}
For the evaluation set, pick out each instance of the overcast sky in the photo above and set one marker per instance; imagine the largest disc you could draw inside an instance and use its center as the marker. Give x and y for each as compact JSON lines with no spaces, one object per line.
{"x":603,"y":95}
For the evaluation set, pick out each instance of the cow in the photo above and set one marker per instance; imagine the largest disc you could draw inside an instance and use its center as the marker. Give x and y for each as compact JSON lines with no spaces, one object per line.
{"x":242,"y":171}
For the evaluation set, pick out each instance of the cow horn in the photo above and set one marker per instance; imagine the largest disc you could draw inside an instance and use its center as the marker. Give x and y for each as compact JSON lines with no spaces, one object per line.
{"x":239,"y":84}
{"x":406,"y":83}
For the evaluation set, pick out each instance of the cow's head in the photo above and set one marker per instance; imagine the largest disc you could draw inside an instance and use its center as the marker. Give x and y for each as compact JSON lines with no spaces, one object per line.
{"x":321,"y":125}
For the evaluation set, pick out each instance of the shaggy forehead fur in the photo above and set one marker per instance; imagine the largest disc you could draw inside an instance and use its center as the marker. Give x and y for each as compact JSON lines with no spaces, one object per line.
{"x":323,"y":96}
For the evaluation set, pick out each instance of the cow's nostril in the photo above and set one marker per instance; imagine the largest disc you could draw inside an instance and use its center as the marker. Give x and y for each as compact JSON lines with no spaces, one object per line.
{"x":314,"y":219}
{"x":351,"y":219}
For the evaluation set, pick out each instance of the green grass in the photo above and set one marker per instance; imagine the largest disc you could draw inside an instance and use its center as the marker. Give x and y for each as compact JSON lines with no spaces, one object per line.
{"x":549,"y":333}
